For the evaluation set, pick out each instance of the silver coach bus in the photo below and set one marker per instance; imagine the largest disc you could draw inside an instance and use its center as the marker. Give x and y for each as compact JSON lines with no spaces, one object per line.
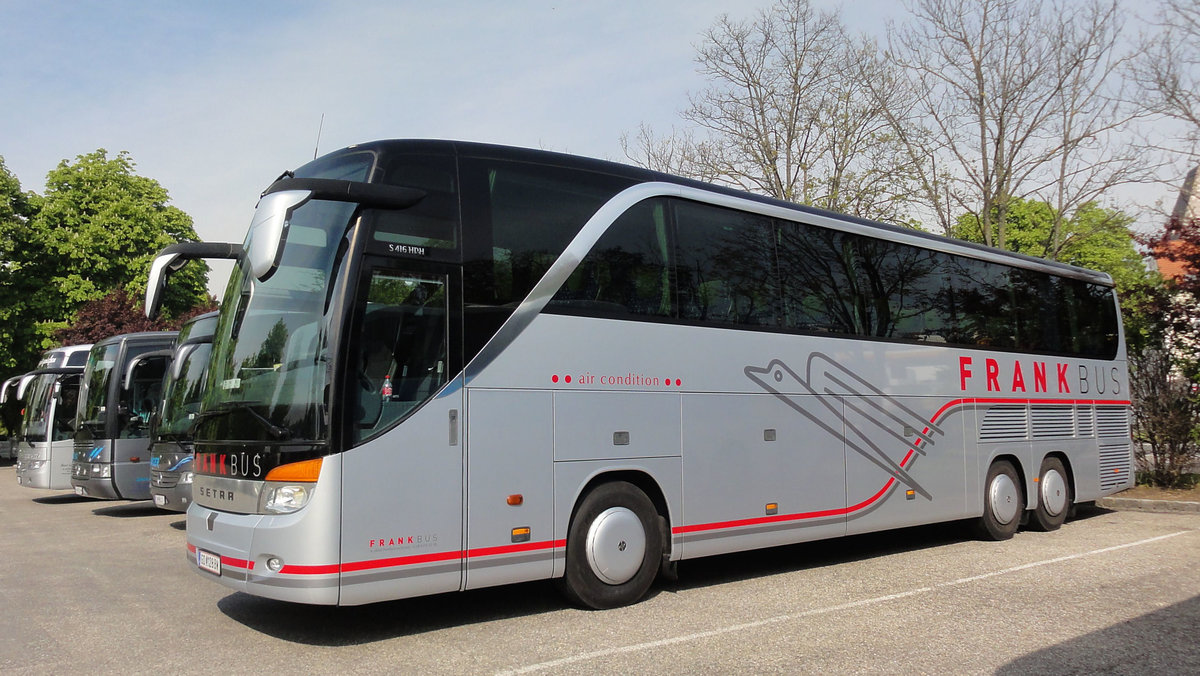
{"x":11,"y":390}
{"x":171,"y":450}
{"x":47,"y":428}
{"x":442,"y":366}
{"x":111,"y":444}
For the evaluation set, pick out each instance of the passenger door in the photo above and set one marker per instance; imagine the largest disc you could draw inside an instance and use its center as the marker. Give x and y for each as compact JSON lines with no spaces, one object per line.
{"x":402,"y":491}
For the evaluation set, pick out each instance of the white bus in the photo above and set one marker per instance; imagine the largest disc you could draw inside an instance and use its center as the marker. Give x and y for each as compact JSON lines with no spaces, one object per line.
{"x":443,"y":366}
{"x":10,"y":390}
{"x":51,"y":396}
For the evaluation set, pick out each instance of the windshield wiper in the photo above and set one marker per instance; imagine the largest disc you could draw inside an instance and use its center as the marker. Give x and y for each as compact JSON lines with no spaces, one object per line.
{"x":275,"y":431}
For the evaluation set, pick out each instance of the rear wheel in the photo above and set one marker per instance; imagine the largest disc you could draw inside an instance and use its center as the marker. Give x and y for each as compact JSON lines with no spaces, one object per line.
{"x":1054,"y":496}
{"x":1003,"y":502}
{"x":614,"y":548}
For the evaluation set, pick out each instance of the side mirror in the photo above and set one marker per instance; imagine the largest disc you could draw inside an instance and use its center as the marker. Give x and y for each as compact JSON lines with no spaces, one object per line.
{"x":172,"y":258}
{"x":269,"y":230}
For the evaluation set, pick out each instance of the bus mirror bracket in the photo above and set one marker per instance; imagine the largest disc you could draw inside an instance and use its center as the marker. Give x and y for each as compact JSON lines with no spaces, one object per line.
{"x":172,"y":258}
{"x":269,"y":228}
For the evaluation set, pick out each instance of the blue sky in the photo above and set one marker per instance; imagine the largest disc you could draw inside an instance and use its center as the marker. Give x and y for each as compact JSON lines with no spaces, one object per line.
{"x":214,"y":99}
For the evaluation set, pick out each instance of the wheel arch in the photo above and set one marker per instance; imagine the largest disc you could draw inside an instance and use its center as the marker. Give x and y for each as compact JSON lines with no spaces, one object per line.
{"x":640,"y":478}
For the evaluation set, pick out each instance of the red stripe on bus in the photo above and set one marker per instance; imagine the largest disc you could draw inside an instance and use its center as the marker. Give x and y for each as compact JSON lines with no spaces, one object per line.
{"x":374,"y":564}
{"x":513,"y":549}
{"x":236,"y":563}
{"x":820,"y":514}
{"x":227,"y":560}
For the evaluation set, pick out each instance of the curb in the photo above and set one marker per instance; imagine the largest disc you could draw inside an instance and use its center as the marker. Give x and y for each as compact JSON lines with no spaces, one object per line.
{"x":1136,"y":505}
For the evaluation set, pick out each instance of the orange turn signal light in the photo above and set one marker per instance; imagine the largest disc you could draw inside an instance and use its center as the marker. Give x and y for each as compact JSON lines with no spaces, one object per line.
{"x":516,"y":499}
{"x":305,"y":471}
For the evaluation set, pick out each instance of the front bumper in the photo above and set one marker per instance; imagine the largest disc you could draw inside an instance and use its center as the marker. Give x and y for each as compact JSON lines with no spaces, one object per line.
{"x":168,"y":492}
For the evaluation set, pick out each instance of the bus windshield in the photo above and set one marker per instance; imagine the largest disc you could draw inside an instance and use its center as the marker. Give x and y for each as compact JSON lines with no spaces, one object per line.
{"x":181,"y":396}
{"x":95,"y":386}
{"x":267,"y":379}
{"x":37,"y":412}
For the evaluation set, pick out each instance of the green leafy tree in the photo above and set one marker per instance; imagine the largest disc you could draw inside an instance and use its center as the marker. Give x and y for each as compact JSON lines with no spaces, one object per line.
{"x":103,"y":225}
{"x":20,"y":278}
{"x":96,"y":229}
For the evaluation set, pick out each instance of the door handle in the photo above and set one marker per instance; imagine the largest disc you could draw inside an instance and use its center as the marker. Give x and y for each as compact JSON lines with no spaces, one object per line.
{"x":454,"y":427}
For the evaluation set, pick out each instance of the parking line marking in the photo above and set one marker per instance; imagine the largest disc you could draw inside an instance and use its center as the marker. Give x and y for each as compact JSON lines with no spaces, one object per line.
{"x":650,"y":645}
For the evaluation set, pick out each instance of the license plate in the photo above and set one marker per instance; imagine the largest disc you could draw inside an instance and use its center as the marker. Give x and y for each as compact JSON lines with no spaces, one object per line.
{"x":160,"y":500}
{"x":208,"y":561}
{"x":79,"y":491}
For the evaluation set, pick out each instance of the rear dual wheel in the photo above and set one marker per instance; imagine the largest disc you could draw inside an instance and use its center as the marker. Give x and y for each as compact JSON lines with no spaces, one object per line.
{"x":614,"y":547}
{"x":1003,"y":502}
{"x":1054,"y":496}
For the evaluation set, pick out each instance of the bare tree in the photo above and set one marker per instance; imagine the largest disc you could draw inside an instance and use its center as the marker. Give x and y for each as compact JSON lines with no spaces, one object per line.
{"x":787,"y":113}
{"x":1166,"y":414}
{"x":1014,"y":99}
{"x":1093,"y":119}
{"x":1168,"y":69}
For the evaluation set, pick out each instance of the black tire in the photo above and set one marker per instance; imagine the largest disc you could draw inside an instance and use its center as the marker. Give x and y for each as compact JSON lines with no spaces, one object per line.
{"x":1054,"y":496}
{"x":603,"y":569}
{"x":1003,"y":502}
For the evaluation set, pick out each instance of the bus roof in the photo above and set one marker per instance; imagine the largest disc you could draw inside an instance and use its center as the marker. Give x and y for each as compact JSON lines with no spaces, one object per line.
{"x":639,"y":174}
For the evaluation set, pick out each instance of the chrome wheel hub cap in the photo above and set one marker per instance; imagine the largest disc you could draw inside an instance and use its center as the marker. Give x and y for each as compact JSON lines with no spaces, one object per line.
{"x":616,"y":544}
{"x":1002,"y":496}
{"x":1053,"y":493}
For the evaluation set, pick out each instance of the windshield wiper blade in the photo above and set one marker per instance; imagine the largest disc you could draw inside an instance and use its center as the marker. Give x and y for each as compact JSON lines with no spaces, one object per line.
{"x":275,"y":431}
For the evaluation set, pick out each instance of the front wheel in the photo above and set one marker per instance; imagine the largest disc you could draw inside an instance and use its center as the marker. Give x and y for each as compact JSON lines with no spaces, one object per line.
{"x":613,"y":547}
{"x":1003,"y":502}
{"x":1054,"y":496}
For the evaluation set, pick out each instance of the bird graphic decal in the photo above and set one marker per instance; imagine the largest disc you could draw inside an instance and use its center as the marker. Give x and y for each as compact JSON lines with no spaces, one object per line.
{"x":839,"y":390}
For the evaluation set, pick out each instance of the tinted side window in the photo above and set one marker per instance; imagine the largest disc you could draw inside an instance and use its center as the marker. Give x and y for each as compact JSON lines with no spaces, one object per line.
{"x":1088,"y":319}
{"x":817,"y":280}
{"x":518,"y":218}
{"x":984,"y":304}
{"x":725,"y":265}
{"x":903,"y":291}
{"x":627,"y":271}
{"x":1034,"y":327}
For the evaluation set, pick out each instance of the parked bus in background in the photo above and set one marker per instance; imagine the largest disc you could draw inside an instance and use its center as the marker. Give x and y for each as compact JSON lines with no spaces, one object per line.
{"x":171,"y":450}
{"x":443,"y":366}
{"x":112,"y":444}
{"x":8,"y":398}
{"x":47,"y":427}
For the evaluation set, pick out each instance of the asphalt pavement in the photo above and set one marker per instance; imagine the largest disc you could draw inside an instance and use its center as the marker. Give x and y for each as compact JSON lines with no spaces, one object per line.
{"x":106,"y":587}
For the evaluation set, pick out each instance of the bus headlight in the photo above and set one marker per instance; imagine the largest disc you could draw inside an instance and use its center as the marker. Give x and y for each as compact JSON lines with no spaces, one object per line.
{"x":186,"y":477}
{"x":286,"y":498}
